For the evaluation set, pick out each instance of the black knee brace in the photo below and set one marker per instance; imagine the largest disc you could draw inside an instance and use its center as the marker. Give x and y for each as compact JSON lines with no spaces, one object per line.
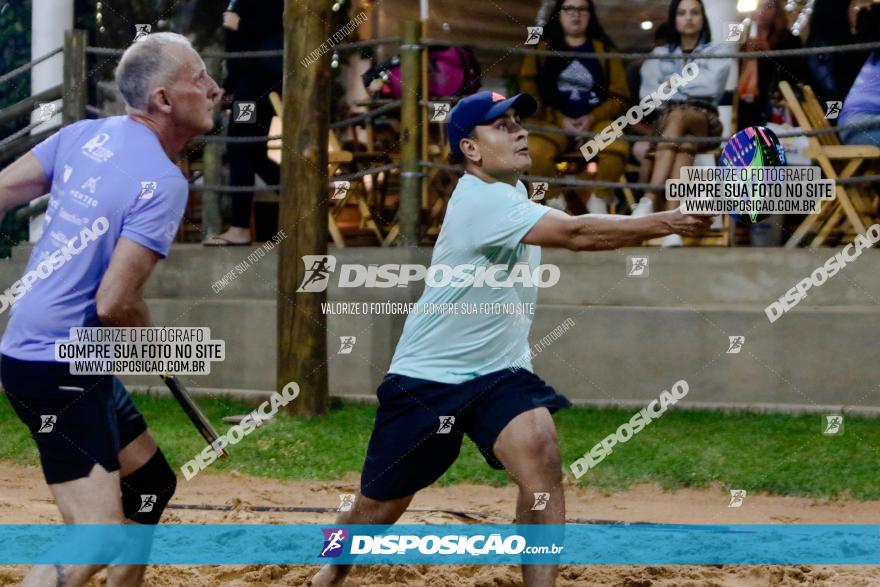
{"x":147,"y":491}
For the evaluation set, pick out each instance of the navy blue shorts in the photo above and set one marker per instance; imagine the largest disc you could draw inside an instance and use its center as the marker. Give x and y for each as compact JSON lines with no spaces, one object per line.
{"x":77,"y":421}
{"x":414,"y":441}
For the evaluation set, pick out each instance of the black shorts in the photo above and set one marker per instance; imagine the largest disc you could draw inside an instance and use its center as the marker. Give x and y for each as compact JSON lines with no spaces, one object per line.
{"x":77,"y":421}
{"x":414,"y":442}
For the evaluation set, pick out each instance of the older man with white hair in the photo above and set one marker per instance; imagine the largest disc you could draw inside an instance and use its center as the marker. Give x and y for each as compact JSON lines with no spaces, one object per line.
{"x":117,"y":199}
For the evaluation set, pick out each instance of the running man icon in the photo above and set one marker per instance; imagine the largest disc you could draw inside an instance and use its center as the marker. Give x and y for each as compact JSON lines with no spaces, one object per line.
{"x":318,"y":272}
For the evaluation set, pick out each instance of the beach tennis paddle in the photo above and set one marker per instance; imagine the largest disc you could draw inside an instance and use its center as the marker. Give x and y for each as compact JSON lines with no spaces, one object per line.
{"x":755,"y":146}
{"x":183,"y":397}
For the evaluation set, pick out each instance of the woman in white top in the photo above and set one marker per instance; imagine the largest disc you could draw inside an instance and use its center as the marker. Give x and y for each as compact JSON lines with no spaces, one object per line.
{"x":692,"y":110}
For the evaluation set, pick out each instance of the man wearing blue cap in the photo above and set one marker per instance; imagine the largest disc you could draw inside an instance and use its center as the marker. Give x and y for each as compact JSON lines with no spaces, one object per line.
{"x":457,"y":371}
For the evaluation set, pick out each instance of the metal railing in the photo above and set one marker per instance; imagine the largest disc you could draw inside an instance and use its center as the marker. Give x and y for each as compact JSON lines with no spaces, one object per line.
{"x":412,"y":106}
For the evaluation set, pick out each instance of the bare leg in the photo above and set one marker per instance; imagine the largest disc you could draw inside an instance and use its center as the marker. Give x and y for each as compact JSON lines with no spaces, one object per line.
{"x":95,"y":500}
{"x":529,"y":451}
{"x":685,"y":158}
{"x":132,"y":457}
{"x":669,"y":159}
{"x":364,"y":511}
{"x":89,"y":500}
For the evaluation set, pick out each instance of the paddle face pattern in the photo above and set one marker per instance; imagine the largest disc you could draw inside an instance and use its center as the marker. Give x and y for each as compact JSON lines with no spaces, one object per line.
{"x":755,"y":146}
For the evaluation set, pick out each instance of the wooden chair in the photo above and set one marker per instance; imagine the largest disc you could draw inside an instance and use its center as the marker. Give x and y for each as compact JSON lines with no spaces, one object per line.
{"x":837,"y":162}
{"x":336,"y":156}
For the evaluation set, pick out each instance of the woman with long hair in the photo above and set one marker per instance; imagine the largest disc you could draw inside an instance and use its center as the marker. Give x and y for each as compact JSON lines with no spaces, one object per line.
{"x":578,"y":94}
{"x":692,"y":111}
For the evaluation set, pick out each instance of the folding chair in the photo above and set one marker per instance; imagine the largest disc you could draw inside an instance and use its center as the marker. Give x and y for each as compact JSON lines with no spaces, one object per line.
{"x":837,"y":162}
{"x":336,"y":156}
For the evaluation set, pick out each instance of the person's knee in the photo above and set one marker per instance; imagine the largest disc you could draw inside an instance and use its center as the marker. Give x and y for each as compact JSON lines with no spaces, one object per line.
{"x":640,"y":150}
{"x":147,"y":491}
{"x":544,"y":461}
{"x":378,"y":511}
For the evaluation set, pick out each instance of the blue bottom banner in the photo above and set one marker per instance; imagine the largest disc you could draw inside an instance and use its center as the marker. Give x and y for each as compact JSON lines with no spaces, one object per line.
{"x":572,"y":544}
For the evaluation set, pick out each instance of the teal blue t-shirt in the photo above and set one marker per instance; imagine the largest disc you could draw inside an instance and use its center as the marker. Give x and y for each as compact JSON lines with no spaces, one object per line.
{"x":463,"y":327}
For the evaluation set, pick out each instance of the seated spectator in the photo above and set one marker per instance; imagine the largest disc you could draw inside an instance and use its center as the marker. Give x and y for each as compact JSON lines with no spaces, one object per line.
{"x":692,"y":110}
{"x":577,"y":94}
{"x":831,"y":74}
{"x":862,"y":104}
{"x":645,"y":127}
{"x":759,"y":78}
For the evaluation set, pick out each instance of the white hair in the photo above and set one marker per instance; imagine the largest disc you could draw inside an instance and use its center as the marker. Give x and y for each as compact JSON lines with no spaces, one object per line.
{"x":145,"y":65}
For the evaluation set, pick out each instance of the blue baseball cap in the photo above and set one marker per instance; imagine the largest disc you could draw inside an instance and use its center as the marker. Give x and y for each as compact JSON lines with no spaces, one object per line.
{"x":481,"y":108}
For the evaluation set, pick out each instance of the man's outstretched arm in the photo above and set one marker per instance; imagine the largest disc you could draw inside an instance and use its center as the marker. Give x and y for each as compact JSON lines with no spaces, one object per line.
{"x":603,"y":232}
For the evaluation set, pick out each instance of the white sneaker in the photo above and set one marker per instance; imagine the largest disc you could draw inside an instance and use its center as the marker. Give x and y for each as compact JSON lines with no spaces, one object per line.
{"x":558,"y":202}
{"x":671,"y":240}
{"x":643,"y":208}
{"x":596,"y":205}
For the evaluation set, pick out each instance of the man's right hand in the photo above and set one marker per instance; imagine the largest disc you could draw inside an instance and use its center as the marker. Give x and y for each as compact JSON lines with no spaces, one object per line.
{"x":687,"y":224}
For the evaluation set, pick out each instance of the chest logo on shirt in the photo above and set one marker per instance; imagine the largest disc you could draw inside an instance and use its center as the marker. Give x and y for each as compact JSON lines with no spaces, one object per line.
{"x":94,"y":148}
{"x":576,"y":79}
{"x":148,"y":188}
{"x":91,"y":184}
